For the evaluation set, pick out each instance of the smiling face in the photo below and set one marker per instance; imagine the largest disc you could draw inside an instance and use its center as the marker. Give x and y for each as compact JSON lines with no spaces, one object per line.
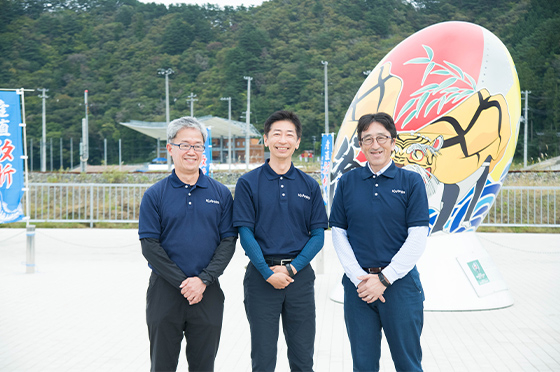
{"x":282,"y":140}
{"x":186,"y":162}
{"x":377,"y":155}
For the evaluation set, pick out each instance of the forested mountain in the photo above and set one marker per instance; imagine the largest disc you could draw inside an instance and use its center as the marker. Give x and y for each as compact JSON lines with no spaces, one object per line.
{"x":114,"y":48}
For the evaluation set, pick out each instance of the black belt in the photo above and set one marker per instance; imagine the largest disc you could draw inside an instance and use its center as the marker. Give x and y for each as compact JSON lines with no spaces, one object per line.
{"x":373,"y":270}
{"x":273,"y":261}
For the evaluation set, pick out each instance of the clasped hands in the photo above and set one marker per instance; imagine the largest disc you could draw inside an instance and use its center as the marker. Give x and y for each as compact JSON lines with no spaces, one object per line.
{"x":280,"y":279}
{"x":370,"y":288}
{"x":192,"y":289}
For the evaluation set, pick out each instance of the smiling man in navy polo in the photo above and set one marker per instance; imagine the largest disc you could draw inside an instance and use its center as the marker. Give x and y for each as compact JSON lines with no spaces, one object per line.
{"x":281,"y":218}
{"x":379,"y":221}
{"x":188,"y":239}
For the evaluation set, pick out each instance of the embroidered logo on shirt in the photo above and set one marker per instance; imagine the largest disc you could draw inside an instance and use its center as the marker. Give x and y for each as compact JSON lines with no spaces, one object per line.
{"x":304,"y":196}
{"x":399,"y":192}
{"x":212,"y":201}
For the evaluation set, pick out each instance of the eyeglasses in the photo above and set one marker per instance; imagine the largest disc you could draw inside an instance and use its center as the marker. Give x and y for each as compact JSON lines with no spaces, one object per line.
{"x":187,"y":147}
{"x":368,"y":141}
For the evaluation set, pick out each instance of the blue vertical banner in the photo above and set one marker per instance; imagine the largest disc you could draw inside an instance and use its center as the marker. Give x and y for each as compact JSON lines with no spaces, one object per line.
{"x":11,"y":163}
{"x":326,"y":155}
{"x":207,"y":155}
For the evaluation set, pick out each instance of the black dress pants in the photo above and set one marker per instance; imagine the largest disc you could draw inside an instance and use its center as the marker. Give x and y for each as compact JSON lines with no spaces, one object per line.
{"x":170,"y":317}
{"x":264,"y":306}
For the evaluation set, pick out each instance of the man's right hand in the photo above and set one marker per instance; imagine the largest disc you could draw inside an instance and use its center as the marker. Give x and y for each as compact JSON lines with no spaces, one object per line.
{"x":279,"y":280}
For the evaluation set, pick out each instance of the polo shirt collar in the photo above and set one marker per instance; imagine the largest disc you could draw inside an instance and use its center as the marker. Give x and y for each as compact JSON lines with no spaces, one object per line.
{"x":201,"y":182}
{"x":272,"y":175}
{"x":389,"y":171}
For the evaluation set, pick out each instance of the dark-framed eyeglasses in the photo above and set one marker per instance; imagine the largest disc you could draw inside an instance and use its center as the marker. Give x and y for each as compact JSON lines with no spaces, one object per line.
{"x":368,"y":141}
{"x":187,"y":147}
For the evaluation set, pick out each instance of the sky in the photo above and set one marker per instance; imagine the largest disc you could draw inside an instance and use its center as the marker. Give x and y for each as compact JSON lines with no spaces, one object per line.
{"x":221,"y":3}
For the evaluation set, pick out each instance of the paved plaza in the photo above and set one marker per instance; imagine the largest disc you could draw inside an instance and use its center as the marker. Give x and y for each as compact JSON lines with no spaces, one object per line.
{"x":83,"y":309}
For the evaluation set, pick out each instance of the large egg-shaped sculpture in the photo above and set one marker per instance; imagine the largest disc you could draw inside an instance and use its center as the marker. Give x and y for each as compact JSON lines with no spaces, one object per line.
{"x":454,"y":94}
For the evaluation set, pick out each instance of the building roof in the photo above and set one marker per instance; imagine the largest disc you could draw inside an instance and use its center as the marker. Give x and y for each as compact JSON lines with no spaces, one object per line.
{"x":220,"y":127}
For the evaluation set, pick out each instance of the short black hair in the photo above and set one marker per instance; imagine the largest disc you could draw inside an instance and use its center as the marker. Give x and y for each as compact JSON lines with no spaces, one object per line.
{"x":280,"y":116}
{"x":382,"y":118}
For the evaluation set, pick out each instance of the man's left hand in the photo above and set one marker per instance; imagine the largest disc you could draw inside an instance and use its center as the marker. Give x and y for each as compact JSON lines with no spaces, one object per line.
{"x":370,"y":288}
{"x":192,"y":289}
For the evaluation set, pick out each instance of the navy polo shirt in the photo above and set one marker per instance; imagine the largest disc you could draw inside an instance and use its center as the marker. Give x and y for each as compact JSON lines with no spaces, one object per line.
{"x":281,"y":209}
{"x":188,"y":220}
{"x":376,"y":211}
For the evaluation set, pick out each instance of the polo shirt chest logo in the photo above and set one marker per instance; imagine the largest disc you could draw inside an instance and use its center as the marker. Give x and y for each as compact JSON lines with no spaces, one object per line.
{"x":212,"y":201}
{"x":304,"y":196}
{"x":398,"y":191}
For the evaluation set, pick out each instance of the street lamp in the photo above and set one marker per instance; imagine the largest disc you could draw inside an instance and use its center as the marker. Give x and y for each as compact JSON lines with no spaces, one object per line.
{"x":248,"y":121}
{"x":229,"y":129}
{"x":325,"y":63}
{"x":44,"y":138}
{"x":166,"y":72}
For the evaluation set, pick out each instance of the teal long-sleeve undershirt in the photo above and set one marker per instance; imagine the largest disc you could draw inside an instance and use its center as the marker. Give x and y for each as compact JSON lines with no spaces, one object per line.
{"x":254,"y":251}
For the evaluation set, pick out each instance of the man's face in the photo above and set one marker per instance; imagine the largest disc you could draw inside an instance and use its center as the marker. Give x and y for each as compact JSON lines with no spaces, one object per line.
{"x":378,"y":155}
{"x":186,"y":162}
{"x":282,"y":140}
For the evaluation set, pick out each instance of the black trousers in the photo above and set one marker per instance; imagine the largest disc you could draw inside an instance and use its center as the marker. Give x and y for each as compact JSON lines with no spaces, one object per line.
{"x":170,"y":317}
{"x":296,"y":304}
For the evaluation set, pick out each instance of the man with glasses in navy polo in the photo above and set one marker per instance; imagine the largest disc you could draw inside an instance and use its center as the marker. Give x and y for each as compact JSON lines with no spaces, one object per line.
{"x":281,"y":218}
{"x":379,"y":221}
{"x":188,"y":239}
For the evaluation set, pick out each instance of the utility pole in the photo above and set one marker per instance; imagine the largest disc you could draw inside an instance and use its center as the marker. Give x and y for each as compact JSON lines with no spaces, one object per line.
{"x":526,"y":121}
{"x":248,"y":121}
{"x":192,"y":99}
{"x":229,"y":129}
{"x":43,"y":146}
{"x":51,"y":148}
{"x":325,"y":63}
{"x":71,"y":154}
{"x":61,"y":160}
{"x":165,"y":72}
{"x":31,"y":154}
{"x":85,"y":137}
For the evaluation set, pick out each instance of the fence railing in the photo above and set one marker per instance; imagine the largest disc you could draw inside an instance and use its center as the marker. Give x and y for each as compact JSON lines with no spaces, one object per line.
{"x":120,"y":203}
{"x":534,"y":206}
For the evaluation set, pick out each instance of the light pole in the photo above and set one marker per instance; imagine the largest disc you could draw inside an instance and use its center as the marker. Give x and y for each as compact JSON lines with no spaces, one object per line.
{"x":526,"y":121}
{"x":325,"y":63}
{"x":44,"y":138}
{"x":85,"y":137}
{"x":229,"y":129}
{"x":192,"y":99}
{"x":248,"y":121}
{"x":166,"y":72}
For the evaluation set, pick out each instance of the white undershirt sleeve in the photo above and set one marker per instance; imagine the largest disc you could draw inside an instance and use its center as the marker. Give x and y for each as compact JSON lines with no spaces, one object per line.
{"x":408,"y":255}
{"x":346,"y":256}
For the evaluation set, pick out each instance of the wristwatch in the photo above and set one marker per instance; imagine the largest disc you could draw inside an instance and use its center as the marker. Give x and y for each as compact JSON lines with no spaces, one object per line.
{"x":383,"y":280}
{"x":290,"y":270}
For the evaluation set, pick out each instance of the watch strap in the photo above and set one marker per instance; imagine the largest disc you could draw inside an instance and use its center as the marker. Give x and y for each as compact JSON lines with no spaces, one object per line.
{"x":383,"y":280}
{"x":290,"y":270}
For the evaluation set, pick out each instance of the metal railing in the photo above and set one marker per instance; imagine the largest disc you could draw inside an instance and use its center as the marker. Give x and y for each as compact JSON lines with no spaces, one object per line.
{"x":81,"y":202}
{"x":120,"y":203}
{"x":534,"y":206}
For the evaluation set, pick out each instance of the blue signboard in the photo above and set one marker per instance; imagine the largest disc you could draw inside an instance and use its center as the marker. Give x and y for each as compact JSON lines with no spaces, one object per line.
{"x":207,"y":155}
{"x":326,"y":155}
{"x":11,"y":163}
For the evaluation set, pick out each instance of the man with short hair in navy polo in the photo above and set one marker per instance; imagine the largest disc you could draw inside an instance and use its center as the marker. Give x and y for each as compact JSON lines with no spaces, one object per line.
{"x":281,"y":218}
{"x":188,"y":239}
{"x":379,"y":221}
